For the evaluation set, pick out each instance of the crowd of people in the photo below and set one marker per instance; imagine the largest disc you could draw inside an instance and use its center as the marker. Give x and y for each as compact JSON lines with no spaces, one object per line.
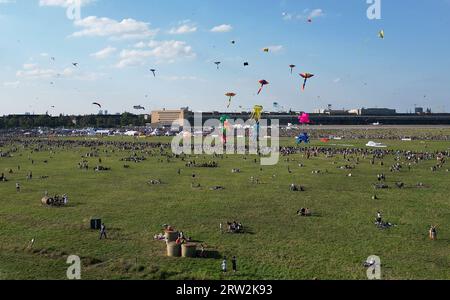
{"x":143,"y":150}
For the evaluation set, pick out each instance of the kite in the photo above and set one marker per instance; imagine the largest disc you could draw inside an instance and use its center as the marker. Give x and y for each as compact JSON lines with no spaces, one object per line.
{"x":52,"y":58}
{"x":139,"y":107}
{"x":230,"y":95}
{"x":225,"y":125}
{"x":325,"y":140}
{"x":96,"y":103}
{"x":266,"y":50}
{"x":306,"y":76}
{"x":75,"y":64}
{"x":304,"y":119}
{"x":257,"y":113}
{"x":276,"y":105}
{"x":263,"y":83}
{"x":233,"y":42}
{"x":381,"y":34}
{"x":304,"y":137}
{"x":217,"y":63}
{"x":153,"y":71}
{"x":310,"y":20}
{"x":246,"y":64}
{"x":292,"y":67}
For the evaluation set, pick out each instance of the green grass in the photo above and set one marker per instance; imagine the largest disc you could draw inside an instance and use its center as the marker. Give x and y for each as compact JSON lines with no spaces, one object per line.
{"x":331,"y":245}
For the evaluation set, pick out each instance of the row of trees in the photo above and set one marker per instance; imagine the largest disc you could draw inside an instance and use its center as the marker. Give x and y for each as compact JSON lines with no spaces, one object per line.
{"x":97,"y":121}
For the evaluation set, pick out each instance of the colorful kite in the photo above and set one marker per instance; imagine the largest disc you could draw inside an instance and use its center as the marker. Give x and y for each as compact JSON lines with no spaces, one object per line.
{"x":225,"y":125}
{"x":266,"y":50}
{"x":230,"y":95}
{"x":257,"y":113}
{"x":381,"y":34}
{"x":306,"y":76}
{"x":304,"y":137}
{"x":263,"y":83}
{"x":304,"y":119}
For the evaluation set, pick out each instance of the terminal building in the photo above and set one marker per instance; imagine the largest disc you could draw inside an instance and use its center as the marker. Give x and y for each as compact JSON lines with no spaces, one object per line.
{"x":373,"y":112}
{"x":168,"y":117}
{"x":363,"y":116}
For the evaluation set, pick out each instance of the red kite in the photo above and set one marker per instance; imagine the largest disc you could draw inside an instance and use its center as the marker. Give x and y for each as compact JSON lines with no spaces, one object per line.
{"x":263,"y":83}
{"x":306,"y":76}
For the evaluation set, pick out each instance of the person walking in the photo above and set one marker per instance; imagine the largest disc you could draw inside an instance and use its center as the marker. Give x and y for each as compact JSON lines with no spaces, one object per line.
{"x":224,"y":265}
{"x":103,"y":232}
{"x":234,"y":264}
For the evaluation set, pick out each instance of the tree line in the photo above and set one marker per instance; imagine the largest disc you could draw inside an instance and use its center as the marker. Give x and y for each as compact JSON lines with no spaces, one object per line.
{"x":97,"y":121}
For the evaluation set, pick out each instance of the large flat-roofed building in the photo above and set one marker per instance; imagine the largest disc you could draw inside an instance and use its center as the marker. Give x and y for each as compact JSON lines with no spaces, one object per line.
{"x":168,"y":117}
{"x":373,"y":112}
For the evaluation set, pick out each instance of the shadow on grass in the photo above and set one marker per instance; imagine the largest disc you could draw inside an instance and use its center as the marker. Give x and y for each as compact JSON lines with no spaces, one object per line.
{"x":209,"y":254}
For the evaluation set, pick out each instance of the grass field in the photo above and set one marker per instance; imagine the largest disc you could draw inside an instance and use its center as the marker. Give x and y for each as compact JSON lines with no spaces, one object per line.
{"x":332,"y":244}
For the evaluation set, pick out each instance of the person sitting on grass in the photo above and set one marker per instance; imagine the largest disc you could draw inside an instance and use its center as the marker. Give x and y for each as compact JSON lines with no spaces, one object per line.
{"x":304,"y":212}
{"x":379,"y":218}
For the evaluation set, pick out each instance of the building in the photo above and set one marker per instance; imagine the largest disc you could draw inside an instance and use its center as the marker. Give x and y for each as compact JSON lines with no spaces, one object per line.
{"x":168,"y":117}
{"x":373,"y":112}
{"x":331,"y":112}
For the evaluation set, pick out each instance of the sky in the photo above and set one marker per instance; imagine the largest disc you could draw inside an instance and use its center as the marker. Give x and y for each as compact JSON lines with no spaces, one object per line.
{"x":116,"y":43}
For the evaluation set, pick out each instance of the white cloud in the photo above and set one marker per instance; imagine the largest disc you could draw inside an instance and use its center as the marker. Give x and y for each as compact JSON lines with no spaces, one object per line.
{"x":275,"y":48}
{"x":287,"y":16}
{"x":62,"y":3}
{"x":11,"y":84}
{"x":104,"y":53}
{"x":34,"y":72}
{"x":184,"y":28}
{"x":337,"y":80}
{"x":162,"y":51}
{"x":29,"y":66}
{"x":29,"y":72}
{"x":307,"y":14}
{"x":105,"y":27}
{"x":316,"y":13}
{"x":222,"y":28}
{"x":140,"y":45}
{"x":180,"y":78}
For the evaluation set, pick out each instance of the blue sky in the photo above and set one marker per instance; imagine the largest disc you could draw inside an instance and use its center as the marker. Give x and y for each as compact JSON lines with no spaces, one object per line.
{"x":116,"y":43}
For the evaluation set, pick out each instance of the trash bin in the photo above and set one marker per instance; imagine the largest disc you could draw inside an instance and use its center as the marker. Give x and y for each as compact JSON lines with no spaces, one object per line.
{"x":173,"y":249}
{"x":96,"y":224}
{"x":171,"y":236}
{"x":189,"y":250}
